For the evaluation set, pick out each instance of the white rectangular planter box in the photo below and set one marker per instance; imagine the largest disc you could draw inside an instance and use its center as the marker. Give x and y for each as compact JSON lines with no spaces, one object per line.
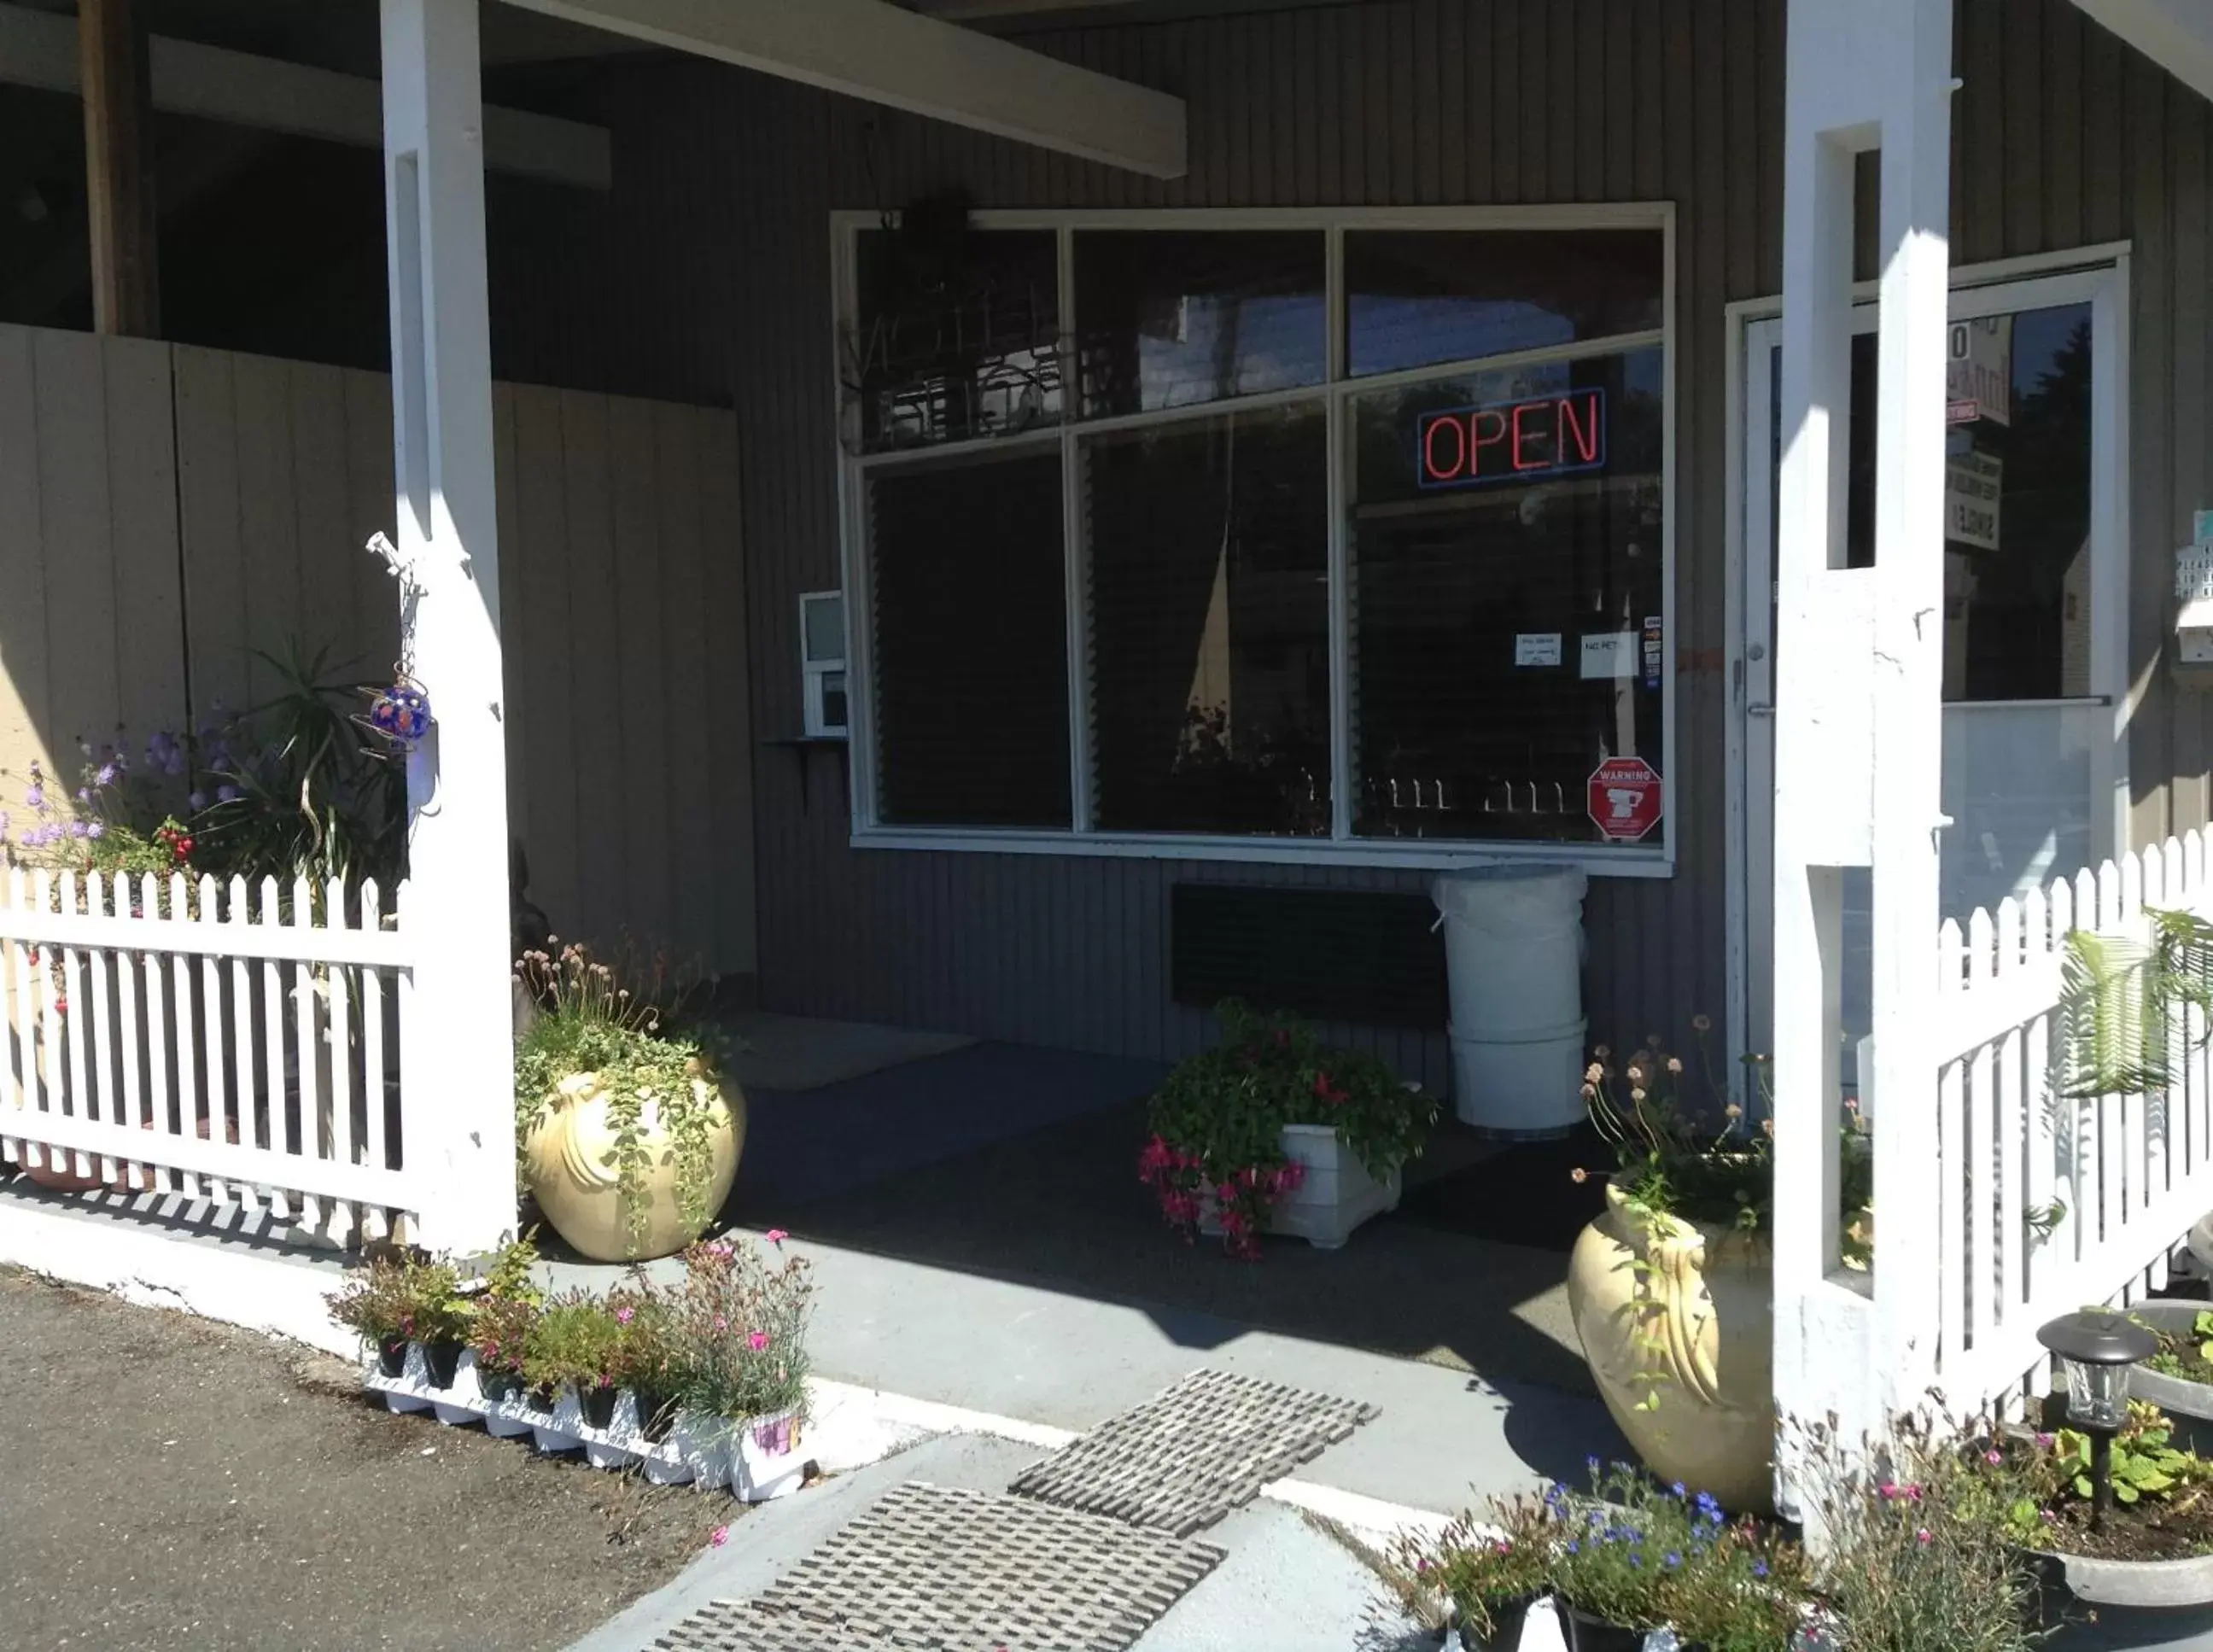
{"x":757,"y":1460}
{"x":1336,"y":1197}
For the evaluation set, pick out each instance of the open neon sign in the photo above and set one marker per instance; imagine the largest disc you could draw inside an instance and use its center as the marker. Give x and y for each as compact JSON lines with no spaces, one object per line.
{"x":1512,"y":441}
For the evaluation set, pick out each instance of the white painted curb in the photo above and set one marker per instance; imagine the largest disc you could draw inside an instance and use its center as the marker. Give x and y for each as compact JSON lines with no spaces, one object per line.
{"x":228,"y":1283}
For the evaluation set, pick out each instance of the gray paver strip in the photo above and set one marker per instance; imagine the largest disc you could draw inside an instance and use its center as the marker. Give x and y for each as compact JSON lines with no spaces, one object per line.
{"x":930,"y":1566}
{"x":740,"y":1626}
{"x":935,"y":1569}
{"x":1189,"y":1455}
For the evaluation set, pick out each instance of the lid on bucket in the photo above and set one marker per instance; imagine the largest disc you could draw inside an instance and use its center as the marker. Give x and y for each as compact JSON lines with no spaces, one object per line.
{"x":1526,"y":890}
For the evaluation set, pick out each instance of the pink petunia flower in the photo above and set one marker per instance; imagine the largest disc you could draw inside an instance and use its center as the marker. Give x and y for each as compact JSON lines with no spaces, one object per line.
{"x":757,"y":1340}
{"x":624,"y":1315}
{"x":722,"y":1536}
{"x":776,"y":1235}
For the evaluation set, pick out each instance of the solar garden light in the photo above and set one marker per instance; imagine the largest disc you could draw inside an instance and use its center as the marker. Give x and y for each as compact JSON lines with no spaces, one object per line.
{"x":2096,"y":1347}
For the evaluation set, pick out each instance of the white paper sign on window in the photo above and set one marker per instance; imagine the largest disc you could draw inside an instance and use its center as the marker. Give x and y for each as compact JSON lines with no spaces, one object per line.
{"x":1537,"y":649}
{"x":1972,"y":482}
{"x":1610,"y":654}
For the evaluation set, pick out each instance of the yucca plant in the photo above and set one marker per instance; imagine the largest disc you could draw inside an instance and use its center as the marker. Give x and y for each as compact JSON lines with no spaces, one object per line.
{"x":2125,"y":1005}
{"x":301,"y":793}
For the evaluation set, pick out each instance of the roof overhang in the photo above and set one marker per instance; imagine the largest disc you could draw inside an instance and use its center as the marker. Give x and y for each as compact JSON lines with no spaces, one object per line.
{"x":872,"y":50}
{"x":39,"y":49}
{"x":2176,"y":34}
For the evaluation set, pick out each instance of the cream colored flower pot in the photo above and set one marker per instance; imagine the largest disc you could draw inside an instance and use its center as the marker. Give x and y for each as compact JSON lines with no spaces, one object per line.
{"x":1691,"y":1330}
{"x":569,"y":1162}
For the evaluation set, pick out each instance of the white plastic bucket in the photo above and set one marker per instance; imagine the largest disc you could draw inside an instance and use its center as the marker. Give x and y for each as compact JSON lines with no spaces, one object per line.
{"x":1514,"y":953}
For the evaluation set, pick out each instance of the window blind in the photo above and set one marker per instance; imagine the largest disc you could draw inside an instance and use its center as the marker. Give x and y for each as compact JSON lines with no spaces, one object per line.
{"x":1209,"y":623}
{"x":971,"y":679}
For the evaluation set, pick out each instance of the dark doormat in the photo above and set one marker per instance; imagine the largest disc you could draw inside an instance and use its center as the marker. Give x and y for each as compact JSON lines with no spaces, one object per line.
{"x":1521,"y":1195}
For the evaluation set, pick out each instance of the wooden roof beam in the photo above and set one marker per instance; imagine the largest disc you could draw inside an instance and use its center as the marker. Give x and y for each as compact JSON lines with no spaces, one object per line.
{"x":2176,"y":34}
{"x":872,"y":50}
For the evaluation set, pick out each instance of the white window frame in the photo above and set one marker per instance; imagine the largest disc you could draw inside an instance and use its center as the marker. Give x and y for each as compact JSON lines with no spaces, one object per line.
{"x":1341,"y":848}
{"x":813,"y":673}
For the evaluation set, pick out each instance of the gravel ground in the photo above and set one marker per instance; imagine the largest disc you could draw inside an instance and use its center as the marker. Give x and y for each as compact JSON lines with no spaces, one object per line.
{"x":169,"y":1482}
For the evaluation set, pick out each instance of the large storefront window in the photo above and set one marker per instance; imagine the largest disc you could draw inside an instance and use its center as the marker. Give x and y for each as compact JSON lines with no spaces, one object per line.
{"x":1390,"y":594}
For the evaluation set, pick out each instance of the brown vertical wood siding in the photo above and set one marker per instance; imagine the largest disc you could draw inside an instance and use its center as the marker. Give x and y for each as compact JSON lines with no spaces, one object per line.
{"x":725,"y":184}
{"x":174,"y":513}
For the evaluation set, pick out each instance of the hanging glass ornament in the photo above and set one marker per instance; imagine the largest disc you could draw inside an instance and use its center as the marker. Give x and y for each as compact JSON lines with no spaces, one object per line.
{"x":401,"y":713}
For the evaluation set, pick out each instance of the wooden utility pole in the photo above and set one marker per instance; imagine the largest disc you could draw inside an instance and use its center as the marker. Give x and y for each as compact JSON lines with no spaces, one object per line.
{"x":119,"y":174}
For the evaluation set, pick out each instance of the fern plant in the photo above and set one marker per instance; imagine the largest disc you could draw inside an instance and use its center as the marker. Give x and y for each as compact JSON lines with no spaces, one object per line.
{"x":2125,"y":1005}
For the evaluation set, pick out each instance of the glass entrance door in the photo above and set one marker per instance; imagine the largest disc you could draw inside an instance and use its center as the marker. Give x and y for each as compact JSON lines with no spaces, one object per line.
{"x":2034,"y":607}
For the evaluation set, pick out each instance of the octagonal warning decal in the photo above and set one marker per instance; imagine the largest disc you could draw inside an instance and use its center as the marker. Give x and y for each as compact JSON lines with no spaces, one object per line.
{"x":1625,"y":798}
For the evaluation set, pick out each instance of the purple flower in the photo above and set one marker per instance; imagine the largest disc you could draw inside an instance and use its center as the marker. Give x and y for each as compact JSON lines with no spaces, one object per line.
{"x":97,"y":829}
{"x":84,"y":794}
{"x":197,"y":802}
{"x":35,"y":797}
{"x":226,"y":794}
{"x":78,"y":829}
{"x":108,"y":772}
{"x":1760,"y":1569}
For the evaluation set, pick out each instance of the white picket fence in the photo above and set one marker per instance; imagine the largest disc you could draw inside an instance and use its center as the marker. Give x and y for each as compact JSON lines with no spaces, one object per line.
{"x":211,"y":1043}
{"x":2046,"y":1202}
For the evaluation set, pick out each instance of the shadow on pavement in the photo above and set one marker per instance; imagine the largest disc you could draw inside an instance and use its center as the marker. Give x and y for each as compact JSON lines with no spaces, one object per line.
{"x":1020,"y":1164}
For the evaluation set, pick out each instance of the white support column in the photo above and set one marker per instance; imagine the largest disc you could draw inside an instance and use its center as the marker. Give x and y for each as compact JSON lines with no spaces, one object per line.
{"x":1858,"y":714}
{"x":1909,"y":679}
{"x":457,"y":1056}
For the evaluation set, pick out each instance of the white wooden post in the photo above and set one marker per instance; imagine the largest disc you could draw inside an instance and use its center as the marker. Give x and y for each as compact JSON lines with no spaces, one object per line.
{"x":1909,"y":676}
{"x":1858,"y":713}
{"x":457,"y":1060}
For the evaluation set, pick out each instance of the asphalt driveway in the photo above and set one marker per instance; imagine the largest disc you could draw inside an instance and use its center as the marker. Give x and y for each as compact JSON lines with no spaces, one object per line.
{"x":168,"y":1482}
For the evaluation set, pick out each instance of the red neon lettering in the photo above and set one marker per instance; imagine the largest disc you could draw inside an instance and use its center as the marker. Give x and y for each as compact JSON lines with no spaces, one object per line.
{"x":1585,"y":439}
{"x":1438,"y":472}
{"x":1521,"y":408}
{"x":1475,"y":423}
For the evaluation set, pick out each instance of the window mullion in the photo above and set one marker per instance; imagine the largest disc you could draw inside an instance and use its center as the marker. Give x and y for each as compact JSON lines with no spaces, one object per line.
{"x":1073,"y":549}
{"x":1340,"y":590}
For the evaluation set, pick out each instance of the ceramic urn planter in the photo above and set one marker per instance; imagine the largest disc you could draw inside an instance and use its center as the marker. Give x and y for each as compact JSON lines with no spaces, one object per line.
{"x":1682,"y":1313}
{"x":568,"y":1159}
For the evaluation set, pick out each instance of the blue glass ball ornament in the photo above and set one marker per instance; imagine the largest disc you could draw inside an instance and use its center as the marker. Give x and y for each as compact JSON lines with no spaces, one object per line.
{"x":401,"y":712}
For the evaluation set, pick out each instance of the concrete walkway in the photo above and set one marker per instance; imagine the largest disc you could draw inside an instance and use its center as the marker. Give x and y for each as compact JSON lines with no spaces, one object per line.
{"x":1443,"y":1439}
